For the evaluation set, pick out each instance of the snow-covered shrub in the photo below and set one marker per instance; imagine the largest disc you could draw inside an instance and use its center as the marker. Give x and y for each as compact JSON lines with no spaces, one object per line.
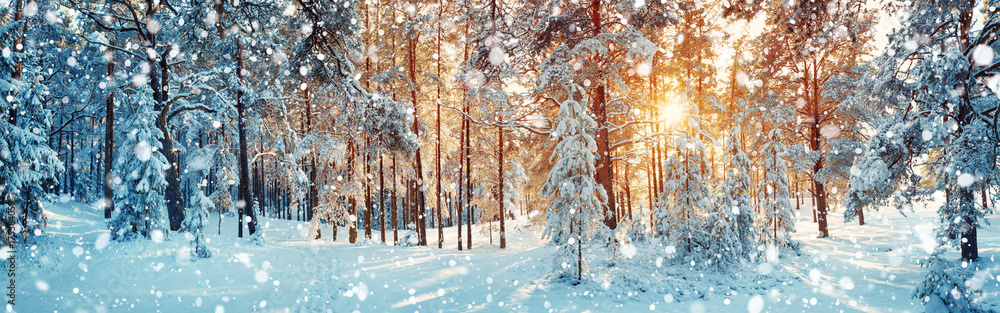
{"x":411,"y":238}
{"x":945,"y":288}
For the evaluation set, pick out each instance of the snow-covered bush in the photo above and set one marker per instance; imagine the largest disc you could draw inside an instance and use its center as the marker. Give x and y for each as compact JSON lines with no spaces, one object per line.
{"x":945,"y":288}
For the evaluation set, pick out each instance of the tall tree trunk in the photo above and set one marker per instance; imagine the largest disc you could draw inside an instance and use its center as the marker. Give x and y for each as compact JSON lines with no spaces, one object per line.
{"x":159,"y":81}
{"x":109,"y":142}
{"x":244,"y":195}
{"x":604,"y":174}
{"x":628,"y":192}
{"x":470,"y":211}
{"x":438,"y":138}
{"x":313,"y":187}
{"x":18,"y":48}
{"x":395,"y":217}
{"x":369,"y":205}
{"x":71,"y":170}
{"x":463,"y":151}
{"x":503,"y":215}
{"x":420,"y":203}
{"x":461,"y":176}
{"x":352,"y":209}
{"x":381,"y":196}
{"x":649,"y":187}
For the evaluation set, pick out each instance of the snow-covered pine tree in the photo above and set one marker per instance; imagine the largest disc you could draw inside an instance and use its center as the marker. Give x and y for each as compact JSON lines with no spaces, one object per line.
{"x":575,"y":218}
{"x":195,"y":221}
{"x":587,"y":43}
{"x":681,"y":219}
{"x":139,"y":199}
{"x":27,"y":163}
{"x":945,"y":88}
{"x":775,"y":206}
{"x":196,"y":213}
{"x":224,"y":176}
{"x":733,"y":231}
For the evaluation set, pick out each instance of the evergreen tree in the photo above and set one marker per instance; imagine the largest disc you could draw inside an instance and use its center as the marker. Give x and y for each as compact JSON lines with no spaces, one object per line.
{"x":774,"y":204}
{"x":139,"y":199}
{"x":575,"y":217}
{"x":733,"y":231}
{"x":944,"y":82}
{"x":681,"y":219}
{"x":196,"y":218}
{"x":27,"y":163}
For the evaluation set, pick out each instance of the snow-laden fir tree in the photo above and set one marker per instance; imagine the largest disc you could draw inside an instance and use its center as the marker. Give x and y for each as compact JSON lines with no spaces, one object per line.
{"x":139,"y":200}
{"x":27,"y":163}
{"x":733,"y":231}
{"x":195,"y":221}
{"x":775,"y":207}
{"x":196,"y":213}
{"x":681,"y":220}
{"x":575,"y":218}
{"x":225,"y":176}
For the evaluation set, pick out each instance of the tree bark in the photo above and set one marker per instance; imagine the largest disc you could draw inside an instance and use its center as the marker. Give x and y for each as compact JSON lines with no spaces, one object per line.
{"x":381,"y":196}
{"x":470,"y":211}
{"x":369,"y":205}
{"x":313,"y":187}
{"x":395,"y":217}
{"x":604,"y":174}
{"x":244,"y":194}
{"x":352,"y":209}
{"x":503,"y":215}
{"x":420,"y":201}
{"x":109,"y":142}
{"x":438,"y":138}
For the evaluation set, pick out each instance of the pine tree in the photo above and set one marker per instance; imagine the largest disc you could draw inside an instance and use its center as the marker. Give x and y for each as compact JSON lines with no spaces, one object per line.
{"x":944,"y":82}
{"x":139,"y":199}
{"x":196,"y":219}
{"x":681,"y":219}
{"x":27,"y":163}
{"x":945,"y":288}
{"x":775,"y":220}
{"x":733,"y":231}
{"x":575,"y":217}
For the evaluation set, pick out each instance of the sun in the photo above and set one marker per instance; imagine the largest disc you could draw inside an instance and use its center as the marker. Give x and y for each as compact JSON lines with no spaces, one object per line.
{"x":672,"y":114}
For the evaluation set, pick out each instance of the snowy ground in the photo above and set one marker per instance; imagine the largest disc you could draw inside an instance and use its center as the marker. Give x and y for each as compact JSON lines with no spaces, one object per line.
{"x":870,"y":268}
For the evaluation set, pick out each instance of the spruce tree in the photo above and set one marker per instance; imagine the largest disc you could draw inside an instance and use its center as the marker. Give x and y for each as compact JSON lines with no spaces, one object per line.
{"x":733,"y":231}
{"x":775,"y":206}
{"x":680,"y":220}
{"x":27,"y":163}
{"x":139,"y":199}
{"x":575,"y":217}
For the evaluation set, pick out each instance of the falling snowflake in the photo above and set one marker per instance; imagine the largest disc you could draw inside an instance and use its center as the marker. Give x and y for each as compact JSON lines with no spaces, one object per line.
{"x":143,"y":151}
{"x":965,"y":180}
{"x":628,"y":250}
{"x":982,"y":55}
